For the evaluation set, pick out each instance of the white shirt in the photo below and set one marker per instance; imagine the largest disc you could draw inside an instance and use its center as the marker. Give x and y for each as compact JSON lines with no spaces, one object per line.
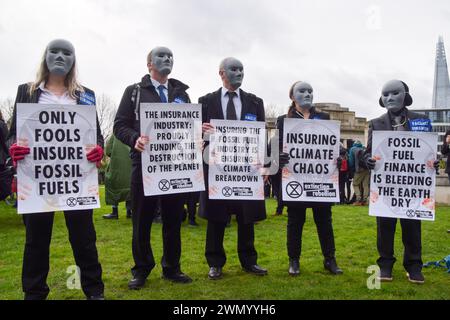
{"x":48,"y":97}
{"x":156,"y":84}
{"x":236,"y":100}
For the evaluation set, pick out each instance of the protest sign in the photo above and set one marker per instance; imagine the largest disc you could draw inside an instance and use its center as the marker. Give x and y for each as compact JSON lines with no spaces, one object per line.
{"x":56,"y":174}
{"x":172,"y":161}
{"x":236,"y":157}
{"x":313,"y":147}
{"x":403,"y":182}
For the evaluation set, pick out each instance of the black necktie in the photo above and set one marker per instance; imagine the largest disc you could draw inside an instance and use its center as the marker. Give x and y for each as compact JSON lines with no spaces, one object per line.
{"x":231,"y":110}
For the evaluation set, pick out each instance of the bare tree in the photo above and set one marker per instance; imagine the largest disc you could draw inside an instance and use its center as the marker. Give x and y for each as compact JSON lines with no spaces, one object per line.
{"x":7,"y":109}
{"x":106,"y":111}
{"x":271,"y":111}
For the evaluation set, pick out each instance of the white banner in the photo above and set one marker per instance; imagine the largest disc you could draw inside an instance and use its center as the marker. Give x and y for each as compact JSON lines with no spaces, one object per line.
{"x":313,"y":147}
{"x":236,"y":157}
{"x":403,"y":182}
{"x":172,"y":161}
{"x":56,"y":174}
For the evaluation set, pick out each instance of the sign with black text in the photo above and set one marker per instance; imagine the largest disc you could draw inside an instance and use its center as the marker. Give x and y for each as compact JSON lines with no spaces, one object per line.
{"x":313,"y":147}
{"x":56,"y":174}
{"x":403,"y":182}
{"x":172,"y":161}
{"x":236,"y":158}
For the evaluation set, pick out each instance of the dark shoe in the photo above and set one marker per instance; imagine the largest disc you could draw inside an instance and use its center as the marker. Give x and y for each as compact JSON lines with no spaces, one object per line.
{"x":128,"y":214}
{"x":331,"y":265}
{"x":136,"y":283}
{"x":255,"y":269}
{"x":111,"y":216}
{"x":278,"y":213}
{"x":215,"y":273}
{"x":96,"y":297}
{"x":385,"y":275}
{"x":178,"y":277}
{"x":193,"y":223}
{"x":294,"y":267}
{"x":416,"y":277}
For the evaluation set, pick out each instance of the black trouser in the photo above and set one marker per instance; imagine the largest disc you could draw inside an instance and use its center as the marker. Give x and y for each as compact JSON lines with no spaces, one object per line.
{"x":348,"y":185}
{"x":37,"y":251}
{"x":343,"y":178}
{"x":412,"y":242}
{"x":267,"y":188}
{"x":279,"y":204}
{"x":323,"y":220}
{"x":214,"y":251}
{"x":144,"y":209}
{"x":276,"y":182}
{"x":192,"y":200}
{"x":127,"y":205}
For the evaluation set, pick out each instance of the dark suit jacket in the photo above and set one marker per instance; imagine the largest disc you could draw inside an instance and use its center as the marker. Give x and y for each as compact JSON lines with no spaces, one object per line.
{"x":216,"y":210}
{"x":384,"y":123}
{"x":127,"y":125}
{"x":446,"y":151}
{"x":4,"y":153}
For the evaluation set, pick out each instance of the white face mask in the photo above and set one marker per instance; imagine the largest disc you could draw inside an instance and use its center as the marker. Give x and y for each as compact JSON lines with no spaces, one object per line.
{"x":60,"y":57}
{"x":234,"y":72}
{"x":393,"y":95}
{"x":162,"y":60}
{"x":303,"y":95}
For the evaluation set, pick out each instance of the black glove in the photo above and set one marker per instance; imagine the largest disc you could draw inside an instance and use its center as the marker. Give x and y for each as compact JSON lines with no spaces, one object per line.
{"x":436,"y":166}
{"x":283,"y":159}
{"x":370,"y":163}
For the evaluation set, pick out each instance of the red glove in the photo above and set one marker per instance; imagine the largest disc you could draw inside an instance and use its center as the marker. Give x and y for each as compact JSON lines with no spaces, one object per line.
{"x":96,"y":155}
{"x":18,"y":153}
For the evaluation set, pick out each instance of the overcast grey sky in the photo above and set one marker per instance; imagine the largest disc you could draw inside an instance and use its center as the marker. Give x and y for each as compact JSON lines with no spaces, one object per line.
{"x":346,"y":49}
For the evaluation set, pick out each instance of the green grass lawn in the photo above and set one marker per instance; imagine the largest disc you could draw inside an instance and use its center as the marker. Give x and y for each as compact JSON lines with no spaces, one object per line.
{"x":355,"y":234}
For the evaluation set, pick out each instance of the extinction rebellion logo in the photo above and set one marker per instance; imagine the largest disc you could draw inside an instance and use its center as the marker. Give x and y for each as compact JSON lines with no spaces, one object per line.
{"x":227,"y":192}
{"x":294,"y":189}
{"x":411,"y":213}
{"x":164,"y":185}
{"x":71,"y":202}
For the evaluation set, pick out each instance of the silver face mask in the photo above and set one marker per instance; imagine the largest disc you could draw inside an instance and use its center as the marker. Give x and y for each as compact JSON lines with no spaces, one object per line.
{"x":393,"y":95}
{"x":234,"y":72}
{"x":162,"y":60}
{"x":60,"y":57}
{"x":303,"y":95}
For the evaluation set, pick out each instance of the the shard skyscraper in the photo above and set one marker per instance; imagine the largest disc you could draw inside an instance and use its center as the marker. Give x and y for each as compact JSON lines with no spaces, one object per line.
{"x":441,"y":89}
